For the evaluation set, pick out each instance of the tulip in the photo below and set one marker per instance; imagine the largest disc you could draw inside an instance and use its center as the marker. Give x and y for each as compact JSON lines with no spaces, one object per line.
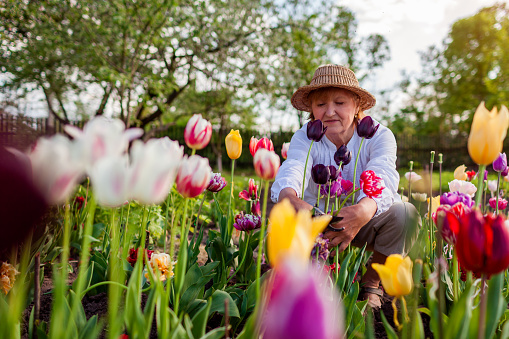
{"x":217,"y":183}
{"x":366,"y":128}
{"x":343,"y":155}
{"x":7,"y":277}
{"x":193,"y":176}
{"x":492,"y":185}
{"x":502,"y":203}
{"x":284,"y":150}
{"x":471,"y":175}
{"x":198,"y":132}
{"x":435,"y":203}
{"x":162,"y":263}
{"x":320,"y":174}
{"x":55,"y":168}
{"x":346,"y":186}
{"x":247,"y":222}
{"x":133,"y":256}
{"x":450,"y":223}
{"x":255,"y":208}
{"x":412,"y":177}
{"x":233,"y":144}
{"x":321,"y":248}
{"x":265,"y":143}
{"x":462,"y":187}
{"x":482,"y":243}
{"x":334,"y":187}
{"x":419,"y":196}
{"x":396,"y":275}
{"x":316,"y":130}
{"x":500,"y":163}
{"x":451,"y":198}
{"x":334,"y":173}
{"x":487,"y":134}
{"x":301,"y":303}
{"x":253,"y":189}
{"x":266,"y":164}
{"x":153,"y":169}
{"x":504,"y":172}
{"x":371,"y":184}
{"x":109,"y":178}
{"x":459,"y":173}
{"x":292,"y":234}
{"x":101,"y":137}
{"x":252,"y":145}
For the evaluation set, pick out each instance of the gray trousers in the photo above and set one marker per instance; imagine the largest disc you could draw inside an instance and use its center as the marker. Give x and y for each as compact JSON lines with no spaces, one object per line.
{"x":392,"y":232}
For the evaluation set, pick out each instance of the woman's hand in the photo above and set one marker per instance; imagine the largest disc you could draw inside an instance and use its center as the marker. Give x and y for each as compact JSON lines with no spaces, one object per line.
{"x":354,"y":218}
{"x":298,"y":204}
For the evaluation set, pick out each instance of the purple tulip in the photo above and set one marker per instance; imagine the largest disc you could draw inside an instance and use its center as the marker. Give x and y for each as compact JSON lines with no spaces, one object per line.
{"x":334,"y":172}
{"x":247,"y":222}
{"x":316,"y":130}
{"x":343,"y":155}
{"x":335,"y":188}
{"x":321,"y":247}
{"x":505,"y":172}
{"x":366,"y":128}
{"x":451,"y":198}
{"x":255,"y":208}
{"x":500,"y":163}
{"x":485,"y":174}
{"x":320,"y":174}
{"x":217,"y":183}
{"x":301,"y":304}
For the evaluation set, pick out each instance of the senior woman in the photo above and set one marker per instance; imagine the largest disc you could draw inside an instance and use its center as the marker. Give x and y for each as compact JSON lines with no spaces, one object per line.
{"x":385,"y":224}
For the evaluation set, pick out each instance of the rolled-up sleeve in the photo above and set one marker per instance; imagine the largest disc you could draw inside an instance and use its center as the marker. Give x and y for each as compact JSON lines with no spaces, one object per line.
{"x":380,"y":153}
{"x":292,"y":170}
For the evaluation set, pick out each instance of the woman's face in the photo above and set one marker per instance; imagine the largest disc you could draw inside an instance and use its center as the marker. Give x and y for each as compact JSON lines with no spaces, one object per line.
{"x":336,"y":108}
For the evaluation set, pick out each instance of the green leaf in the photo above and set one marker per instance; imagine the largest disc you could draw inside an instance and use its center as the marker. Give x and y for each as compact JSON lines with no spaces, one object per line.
{"x":200,"y":321}
{"x":459,"y":318}
{"x":218,"y":299}
{"x":496,"y":304}
{"x":343,"y":272}
{"x":91,"y":329}
{"x":417,"y":330}
{"x":391,"y":334}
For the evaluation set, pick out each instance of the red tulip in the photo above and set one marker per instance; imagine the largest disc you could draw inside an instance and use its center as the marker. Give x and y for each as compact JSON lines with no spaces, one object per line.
{"x":483,"y":243}
{"x":198,"y":132}
{"x":266,"y":164}
{"x":371,"y":184}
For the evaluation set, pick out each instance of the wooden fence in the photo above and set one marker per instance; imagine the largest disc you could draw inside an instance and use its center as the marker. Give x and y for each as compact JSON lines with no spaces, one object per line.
{"x":20,"y":132}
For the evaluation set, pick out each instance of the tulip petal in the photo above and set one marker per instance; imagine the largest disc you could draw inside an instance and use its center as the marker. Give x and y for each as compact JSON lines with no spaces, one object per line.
{"x":386,"y":277}
{"x":404,"y":277}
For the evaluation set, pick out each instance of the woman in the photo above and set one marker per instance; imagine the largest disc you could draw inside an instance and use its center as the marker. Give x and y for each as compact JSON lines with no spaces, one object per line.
{"x":385,"y":224}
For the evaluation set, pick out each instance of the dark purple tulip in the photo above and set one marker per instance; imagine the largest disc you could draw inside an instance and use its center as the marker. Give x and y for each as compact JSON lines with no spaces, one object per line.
{"x":217,"y":183}
{"x":320,"y":174}
{"x":334,"y":173}
{"x":500,"y":163}
{"x":366,"y":128}
{"x":343,"y":155}
{"x":451,"y":198}
{"x":316,"y":130}
{"x":247,"y":222}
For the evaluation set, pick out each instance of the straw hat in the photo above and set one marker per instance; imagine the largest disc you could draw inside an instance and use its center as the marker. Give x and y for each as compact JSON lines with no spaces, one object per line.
{"x":332,"y":76}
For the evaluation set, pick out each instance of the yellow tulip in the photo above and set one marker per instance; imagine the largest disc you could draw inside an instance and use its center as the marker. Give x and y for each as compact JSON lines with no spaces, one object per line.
{"x":487,"y":134}
{"x":435,"y":204}
{"x":233,"y":143}
{"x":292,"y":234}
{"x":459,"y":173}
{"x":396,"y":275}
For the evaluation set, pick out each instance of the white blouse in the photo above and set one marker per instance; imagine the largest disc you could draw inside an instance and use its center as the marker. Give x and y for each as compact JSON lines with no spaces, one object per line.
{"x":377,"y":154}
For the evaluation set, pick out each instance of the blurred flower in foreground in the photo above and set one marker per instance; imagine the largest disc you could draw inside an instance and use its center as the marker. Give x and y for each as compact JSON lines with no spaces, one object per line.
{"x":292,"y":234}
{"x":109,"y":178}
{"x":487,"y":134}
{"x":419,"y":196}
{"x":193,"y":176}
{"x":462,"y":187}
{"x":198,"y":132}
{"x":233,"y":143}
{"x":284,"y":150}
{"x":7,"y":277}
{"x":217,"y":183}
{"x":161,"y":262}
{"x":482,"y":243}
{"x":502,"y":203}
{"x":266,"y":164}
{"x":451,"y":198}
{"x":459,"y":173}
{"x":412,"y":177}
{"x":396,"y":275}
{"x":371,"y":184}
{"x":301,"y":303}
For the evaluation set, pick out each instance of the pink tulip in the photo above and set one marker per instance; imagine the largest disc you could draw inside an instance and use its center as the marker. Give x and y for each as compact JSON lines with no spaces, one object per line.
{"x":301,"y":303}
{"x":284,"y":150}
{"x":252,"y":145}
{"x":198,"y":132}
{"x":502,"y":203}
{"x":266,"y":164}
{"x":193,"y":176}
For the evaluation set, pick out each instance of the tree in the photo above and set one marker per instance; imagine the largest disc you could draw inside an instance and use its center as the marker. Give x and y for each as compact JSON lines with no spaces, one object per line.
{"x":139,"y":58}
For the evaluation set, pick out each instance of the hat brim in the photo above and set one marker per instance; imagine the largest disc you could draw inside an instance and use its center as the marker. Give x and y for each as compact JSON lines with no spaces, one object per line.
{"x":301,"y":102}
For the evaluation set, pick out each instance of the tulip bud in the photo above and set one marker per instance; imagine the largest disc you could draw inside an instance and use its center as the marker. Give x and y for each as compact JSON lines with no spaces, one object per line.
{"x":217,"y":183}
{"x":320,"y":174}
{"x":233,"y":144}
{"x":343,"y":155}
{"x":193,"y":176}
{"x":487,"y":134}
{"x":266,"y":164}
{"x":419,"y":196}
{"x":252,"y":145}
{"x":198,"y":132}
{"x":500,"y":163}
{"x":366,"y":128}
{"x":316,"y":130}
{"x":284,"y":150}
{"x":253,"y":189}
{"x":396,"y":275}
{"x":371,"y":184}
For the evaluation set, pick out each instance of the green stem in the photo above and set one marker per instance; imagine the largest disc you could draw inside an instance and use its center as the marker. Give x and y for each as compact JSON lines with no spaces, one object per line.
{"x":116,"y":275}
{"x":482,"y":310}
{"x":305,"y":169}
{"x":318,"y":196}
{"x":230,"y":209}
{"x":498,"y":193}
{"x":66,"y":245}
{"x":480,"y":181}
{"x":260,"y":242}
{"x":345,"y":200}
{"x":336,"y":266}
{"x":355,"y":169}
{"x":328,"y":198}
{"x":455,"y":280}
{"x":166,"y":223}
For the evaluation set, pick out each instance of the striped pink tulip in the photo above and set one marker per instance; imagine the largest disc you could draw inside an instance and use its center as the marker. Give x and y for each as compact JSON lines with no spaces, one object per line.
{"x":193,"y":176}
{"x":198,"y":132}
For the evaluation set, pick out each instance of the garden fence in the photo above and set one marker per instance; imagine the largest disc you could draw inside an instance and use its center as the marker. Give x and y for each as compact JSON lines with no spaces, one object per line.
{"x":20,"y":132}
